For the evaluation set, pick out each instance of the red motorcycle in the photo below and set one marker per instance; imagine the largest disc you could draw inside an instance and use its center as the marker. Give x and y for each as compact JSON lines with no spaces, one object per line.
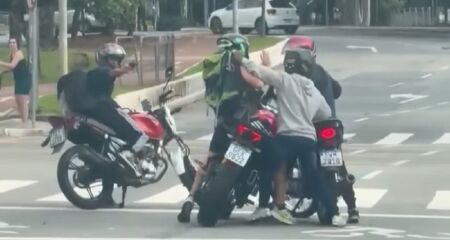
{"x":88,"y":171}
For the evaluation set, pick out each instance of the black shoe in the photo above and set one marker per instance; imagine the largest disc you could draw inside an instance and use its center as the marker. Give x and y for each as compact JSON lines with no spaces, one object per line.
{"x":353,"y":216}
{"x":185,"y":215}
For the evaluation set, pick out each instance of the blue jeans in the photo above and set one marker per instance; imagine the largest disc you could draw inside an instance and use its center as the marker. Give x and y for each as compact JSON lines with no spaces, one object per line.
{"x":305,"y":149}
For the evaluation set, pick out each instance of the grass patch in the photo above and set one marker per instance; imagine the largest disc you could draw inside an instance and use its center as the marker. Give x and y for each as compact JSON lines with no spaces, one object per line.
{"x":256,"y":44}
{"x":50,"y":64}
{"x":49,"y":105}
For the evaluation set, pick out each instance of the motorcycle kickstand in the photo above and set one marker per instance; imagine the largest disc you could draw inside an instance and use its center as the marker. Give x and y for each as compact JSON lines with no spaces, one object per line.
{"x":124,"y":193}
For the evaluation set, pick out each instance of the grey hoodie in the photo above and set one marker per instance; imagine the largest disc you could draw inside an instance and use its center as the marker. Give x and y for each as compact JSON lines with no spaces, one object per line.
{"x":298,"y":100}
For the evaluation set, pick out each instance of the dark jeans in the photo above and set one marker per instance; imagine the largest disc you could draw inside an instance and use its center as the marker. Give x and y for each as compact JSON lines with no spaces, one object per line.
{"x":269,"y":161}
{"x":304,"y":149}
{"x":109,"y":114}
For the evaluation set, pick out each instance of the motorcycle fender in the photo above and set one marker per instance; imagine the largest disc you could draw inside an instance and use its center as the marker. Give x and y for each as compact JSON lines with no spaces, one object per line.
{"x":176,"y":158}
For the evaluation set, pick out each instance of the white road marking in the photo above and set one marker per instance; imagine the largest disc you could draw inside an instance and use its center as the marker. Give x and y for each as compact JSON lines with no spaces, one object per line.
{"x":372,"y":175}
{"x":367,"y":197}
{"x":59,"y":197}
{"x":409,"y":97}
{"x":8,"y":185}
{"x":176,"y":211}
{"x":394,"y":139}
{"x":172,"y":195}
{"x":358,"y":152}
{"x":384,"y":115}
{"x":425,"y":107}
{"x":441,"y":201}
{"x":444,"y":67}
{"x":206,"y":137}
{"x":349,"y":135}
{"x":361,"y":119}
{"x":444,"y":139}
{"x":397,"y":84}
{"x":442,"y":103}
{"x":404,"y":111}
{"x":426,"y":75}
{"x":371,"y":48}
{"x":429,"y":153}
{"x":400,"y":162}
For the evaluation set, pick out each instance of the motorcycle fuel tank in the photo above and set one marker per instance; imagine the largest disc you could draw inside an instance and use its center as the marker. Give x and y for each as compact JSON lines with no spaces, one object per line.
{"x":149,"y":125}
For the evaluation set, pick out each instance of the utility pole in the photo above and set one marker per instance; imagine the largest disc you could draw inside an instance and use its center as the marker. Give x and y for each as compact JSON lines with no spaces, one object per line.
{"x":263,"y":17}
{"x":33,"y":19}
{"x":206,"y":12}
{"x":63,"y":36}
{"x":235,"y":17}
{"x":327,"y":13}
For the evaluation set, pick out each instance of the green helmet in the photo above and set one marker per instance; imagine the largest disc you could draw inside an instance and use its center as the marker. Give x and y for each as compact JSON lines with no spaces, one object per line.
{"x":233,"y":41}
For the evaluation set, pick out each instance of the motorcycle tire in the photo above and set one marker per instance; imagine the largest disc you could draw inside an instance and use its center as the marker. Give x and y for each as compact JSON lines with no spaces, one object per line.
{"x":213,"y":196}
{"x":227,"y":211}
{"x":307,"y":212}
{"x":68,"y":191}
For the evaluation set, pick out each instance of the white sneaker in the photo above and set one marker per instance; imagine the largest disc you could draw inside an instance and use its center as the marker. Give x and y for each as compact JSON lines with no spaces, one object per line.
{"x":283,"y":216}
{"x":338,"y":221}
{"x":260,"y":213}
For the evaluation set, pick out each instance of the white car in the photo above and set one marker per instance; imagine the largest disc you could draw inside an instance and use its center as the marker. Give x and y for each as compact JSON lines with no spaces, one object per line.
{"x":280,"y":14}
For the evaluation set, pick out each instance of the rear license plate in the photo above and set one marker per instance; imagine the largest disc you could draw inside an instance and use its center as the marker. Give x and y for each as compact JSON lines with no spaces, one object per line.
{"x":57,"y":136}
{"x":238,"y":154}
{"x":331,"y":158}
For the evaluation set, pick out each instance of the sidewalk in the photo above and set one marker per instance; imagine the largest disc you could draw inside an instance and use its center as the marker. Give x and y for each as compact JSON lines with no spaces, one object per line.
{"x":15,"y":128}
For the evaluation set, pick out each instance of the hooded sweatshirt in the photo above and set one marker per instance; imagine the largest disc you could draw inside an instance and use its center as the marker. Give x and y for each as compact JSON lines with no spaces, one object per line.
{"x":298,"y":100}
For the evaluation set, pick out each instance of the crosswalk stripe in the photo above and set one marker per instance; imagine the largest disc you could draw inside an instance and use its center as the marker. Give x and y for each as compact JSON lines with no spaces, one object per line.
{"x":349,"y":135}
{"x":8,"y":185}
{"x":444,"y":139}
{"x":172,"y":195}
{"x":441,"y":201}
{"x":59,"y":197}
{"x":206,"y":137}
{"x":366,"y":197}
{"x":394,"y":138}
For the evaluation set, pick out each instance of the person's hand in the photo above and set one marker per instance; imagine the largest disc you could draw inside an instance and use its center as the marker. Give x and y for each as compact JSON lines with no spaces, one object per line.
{"x":265,"y":59}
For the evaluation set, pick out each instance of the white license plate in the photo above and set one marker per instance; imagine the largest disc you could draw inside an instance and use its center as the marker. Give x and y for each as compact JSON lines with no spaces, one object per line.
{"x":238,"y":154}
{"x":57,"y":136}
{"x":331,"y":158}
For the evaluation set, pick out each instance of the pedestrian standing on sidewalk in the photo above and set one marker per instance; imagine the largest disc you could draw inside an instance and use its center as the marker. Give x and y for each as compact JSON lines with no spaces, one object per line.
{"x":22,"y":78}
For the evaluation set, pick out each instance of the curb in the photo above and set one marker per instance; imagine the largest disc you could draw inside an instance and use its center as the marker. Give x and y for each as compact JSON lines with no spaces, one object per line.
{"x":20,"y":132}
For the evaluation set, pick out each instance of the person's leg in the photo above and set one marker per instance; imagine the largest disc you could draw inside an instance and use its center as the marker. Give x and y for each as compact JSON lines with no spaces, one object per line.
{"x":217,"y":148}
{"x":22,"y":107}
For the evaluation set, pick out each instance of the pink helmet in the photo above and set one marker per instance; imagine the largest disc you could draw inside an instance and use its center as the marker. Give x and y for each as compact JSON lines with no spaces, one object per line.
{"x":301,"y":42}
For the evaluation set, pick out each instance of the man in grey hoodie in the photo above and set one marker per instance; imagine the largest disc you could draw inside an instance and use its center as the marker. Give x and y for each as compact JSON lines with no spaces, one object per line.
{"x":299,"y":104}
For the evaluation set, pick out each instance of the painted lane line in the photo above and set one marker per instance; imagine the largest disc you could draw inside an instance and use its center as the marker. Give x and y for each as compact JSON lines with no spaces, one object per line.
{"x":372,"y":175}
{"x":426,"y":75}
{"x":441,"y":201}
{"x":444,"y":139}
{"x":442,"y":103}
{"x":358,"y":152}
{"x":400,"y":162}
{"x":8,"y":185}
{"x":394,"y":139}
{"x":361,"y":119}
{"x":429,"y":153}
{"x":174,"y":194}
{"x":404,"y":111}
{"x":367,"y":197}
{"x":397,"y":84}
{"x":425,"y":107}
{"x":444,"y":67}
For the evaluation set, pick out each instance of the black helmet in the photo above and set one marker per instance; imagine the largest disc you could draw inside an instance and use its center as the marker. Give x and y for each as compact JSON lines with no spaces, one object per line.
{"x":298,"y":61}
{"x":233,"y":41}
{"x":112,"y":51}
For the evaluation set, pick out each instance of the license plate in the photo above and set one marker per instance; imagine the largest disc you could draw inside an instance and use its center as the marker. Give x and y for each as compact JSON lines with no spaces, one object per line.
{"x":57,"y":136}
{"x":331,"y":158}
{"x":238,"y":154}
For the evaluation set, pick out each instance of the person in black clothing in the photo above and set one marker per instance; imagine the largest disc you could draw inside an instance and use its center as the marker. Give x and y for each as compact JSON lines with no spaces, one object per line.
{"x":90,"y":94}
{"x":331,"y":90}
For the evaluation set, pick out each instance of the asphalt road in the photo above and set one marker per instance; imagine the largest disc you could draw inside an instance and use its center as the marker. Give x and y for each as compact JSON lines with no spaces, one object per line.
{"x":394,"y":107}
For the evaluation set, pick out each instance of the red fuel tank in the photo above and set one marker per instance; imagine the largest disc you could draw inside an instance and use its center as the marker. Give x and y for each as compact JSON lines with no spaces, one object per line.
{"x":149,"y":125}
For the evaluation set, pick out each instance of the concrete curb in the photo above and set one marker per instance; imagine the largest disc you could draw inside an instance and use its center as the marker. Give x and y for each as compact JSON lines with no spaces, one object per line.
{"x":21,"y":132}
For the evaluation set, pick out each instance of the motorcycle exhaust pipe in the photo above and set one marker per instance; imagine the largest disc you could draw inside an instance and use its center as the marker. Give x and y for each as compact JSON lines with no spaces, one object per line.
{"x":97,"y":159}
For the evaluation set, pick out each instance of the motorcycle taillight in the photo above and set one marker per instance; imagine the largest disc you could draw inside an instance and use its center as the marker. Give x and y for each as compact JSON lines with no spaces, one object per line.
{"x":327,"y":133}
{"x":246,"y":132}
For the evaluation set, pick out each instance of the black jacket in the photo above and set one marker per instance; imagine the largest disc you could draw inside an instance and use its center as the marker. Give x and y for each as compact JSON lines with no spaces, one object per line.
{"x":326,"y":85}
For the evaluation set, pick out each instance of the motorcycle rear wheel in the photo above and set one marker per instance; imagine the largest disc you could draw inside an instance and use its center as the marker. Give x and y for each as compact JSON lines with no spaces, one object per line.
{"x":69,"y":192}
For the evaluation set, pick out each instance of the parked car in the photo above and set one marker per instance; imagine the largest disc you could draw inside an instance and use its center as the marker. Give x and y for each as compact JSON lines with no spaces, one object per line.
{"x":280,"y":14}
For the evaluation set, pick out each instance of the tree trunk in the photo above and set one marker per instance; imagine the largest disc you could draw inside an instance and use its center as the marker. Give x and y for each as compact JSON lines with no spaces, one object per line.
{"x":47,"y":26}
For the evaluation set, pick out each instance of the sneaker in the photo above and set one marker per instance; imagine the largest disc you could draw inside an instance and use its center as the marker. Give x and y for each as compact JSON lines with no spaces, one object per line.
{"x":282,"y":215}
{"x":353,"y":216}
{"x":185,"y":215}
{"x":338,"y":221}
{"x":260,"y":213}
